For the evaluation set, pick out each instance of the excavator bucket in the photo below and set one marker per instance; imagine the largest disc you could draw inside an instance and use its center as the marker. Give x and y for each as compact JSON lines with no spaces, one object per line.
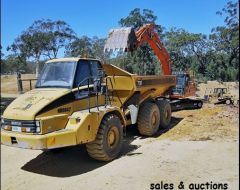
{"x":120,"y":40}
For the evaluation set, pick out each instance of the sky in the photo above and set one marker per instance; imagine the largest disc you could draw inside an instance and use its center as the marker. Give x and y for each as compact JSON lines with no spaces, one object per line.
{"x":97,"y":17}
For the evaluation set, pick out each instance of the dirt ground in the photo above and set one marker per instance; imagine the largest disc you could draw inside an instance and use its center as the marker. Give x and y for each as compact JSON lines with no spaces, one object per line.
{"x":200,"y":146}
{"x":208,"y":87}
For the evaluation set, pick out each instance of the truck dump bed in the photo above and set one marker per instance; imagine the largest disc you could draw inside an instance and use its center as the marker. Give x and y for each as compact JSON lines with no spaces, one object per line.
{"x":123,"y":85}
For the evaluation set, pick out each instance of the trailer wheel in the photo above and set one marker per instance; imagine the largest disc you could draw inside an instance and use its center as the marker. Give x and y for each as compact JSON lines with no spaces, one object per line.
{"x":228,"y":101}
{"x":199,"y":104}
{"x":108,"y":142}
{"x":165,"y":113}
{"x":148,"y":119}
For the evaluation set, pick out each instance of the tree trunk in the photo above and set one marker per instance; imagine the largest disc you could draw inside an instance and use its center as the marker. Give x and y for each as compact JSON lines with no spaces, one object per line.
{"x":37,"y":69}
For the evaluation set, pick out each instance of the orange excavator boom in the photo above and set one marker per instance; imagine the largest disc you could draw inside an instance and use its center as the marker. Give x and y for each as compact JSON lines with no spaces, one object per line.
{"x":147,"y":34}
{"x":125,"y":39}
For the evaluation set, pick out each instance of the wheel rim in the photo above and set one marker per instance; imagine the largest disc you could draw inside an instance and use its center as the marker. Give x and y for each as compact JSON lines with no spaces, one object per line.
{"x":166,"y":114}
{"x":113,"y":137}
{"x":154,"y":118}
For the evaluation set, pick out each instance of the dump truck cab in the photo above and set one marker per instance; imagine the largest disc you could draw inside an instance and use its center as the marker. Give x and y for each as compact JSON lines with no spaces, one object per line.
{"x":82,"y":101}
{"x":68,"y":73}
{"x":61,"y":82}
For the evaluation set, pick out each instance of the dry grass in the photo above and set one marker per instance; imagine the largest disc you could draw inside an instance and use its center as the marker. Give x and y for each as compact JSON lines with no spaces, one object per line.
{"x":212,"y":122}
{"x":9,"y":83}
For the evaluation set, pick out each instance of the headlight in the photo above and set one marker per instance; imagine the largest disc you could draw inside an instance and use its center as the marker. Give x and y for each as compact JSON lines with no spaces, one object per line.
{"x":31,"y":126}
{"x":38,"y":126}
{"x":38,"y":129}
{"x":2,"y":120}
{"x":38,"y":123}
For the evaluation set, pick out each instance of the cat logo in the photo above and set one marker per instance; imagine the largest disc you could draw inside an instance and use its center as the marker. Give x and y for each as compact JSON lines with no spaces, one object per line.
{"x":61,"y":110}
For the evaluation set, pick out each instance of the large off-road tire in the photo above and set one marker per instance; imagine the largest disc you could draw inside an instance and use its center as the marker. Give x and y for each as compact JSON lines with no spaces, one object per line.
{"x":108,"y":142}
{"x":148,"y":119}
{"x":165,"y":113}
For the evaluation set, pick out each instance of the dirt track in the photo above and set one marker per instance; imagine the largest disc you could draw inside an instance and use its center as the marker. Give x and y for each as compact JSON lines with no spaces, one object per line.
{"x":200,"y":146}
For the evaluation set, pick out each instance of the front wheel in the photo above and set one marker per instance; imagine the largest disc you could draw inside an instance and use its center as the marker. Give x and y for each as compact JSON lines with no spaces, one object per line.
{"x":108,"y":142}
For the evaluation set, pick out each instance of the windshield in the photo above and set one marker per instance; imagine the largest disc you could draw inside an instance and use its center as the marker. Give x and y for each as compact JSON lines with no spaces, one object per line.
{"x":181,"y":80}
{"x":57,"y":74}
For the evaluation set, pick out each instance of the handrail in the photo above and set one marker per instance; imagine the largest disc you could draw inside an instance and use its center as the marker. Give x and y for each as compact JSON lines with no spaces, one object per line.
{"x":108,"y":77}
{"x":88,"y":84}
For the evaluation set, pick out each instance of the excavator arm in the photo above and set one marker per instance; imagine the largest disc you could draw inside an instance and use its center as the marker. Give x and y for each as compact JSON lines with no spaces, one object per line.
{"x":147,"y":34}
{"x":125,"y":39}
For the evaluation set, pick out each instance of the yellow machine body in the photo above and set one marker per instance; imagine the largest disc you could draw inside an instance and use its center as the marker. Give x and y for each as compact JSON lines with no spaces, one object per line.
{"x":63,"y":120}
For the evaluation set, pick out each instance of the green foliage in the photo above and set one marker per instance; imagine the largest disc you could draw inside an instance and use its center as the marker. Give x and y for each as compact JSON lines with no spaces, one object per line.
{"x":54,"y":35}
{"x":44,"y":38}
{"x":86,"y":47}
{"x":231,"y":12}
{"x":225,"y":40}
{"x":13,"y":64}
{"x":80,"y":47}
{"x":213,"y":57}
{"x":142,"y":61}
{"x":136,"y":18}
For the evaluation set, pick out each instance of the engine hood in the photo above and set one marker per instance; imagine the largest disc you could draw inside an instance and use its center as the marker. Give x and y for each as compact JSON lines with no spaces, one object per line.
{"x":26,"y":106}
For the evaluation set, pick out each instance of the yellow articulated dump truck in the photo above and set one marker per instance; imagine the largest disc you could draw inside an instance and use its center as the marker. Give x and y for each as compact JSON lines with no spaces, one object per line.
{"x":83,"y":101}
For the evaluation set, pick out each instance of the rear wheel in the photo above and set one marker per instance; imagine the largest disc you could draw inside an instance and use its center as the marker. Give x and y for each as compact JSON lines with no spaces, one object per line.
{"x":199,"y":104}
{"x":148,"y":119}
{"x":108,"y":142}
{"x":228,"y":101}
{"x":165,"y":113}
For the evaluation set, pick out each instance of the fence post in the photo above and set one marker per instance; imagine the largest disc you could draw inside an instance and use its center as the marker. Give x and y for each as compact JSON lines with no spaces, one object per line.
{"x":19,"y":83}
{"x":30,"y":83}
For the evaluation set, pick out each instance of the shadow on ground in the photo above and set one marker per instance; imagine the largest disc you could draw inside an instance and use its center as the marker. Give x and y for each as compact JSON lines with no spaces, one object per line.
{"x":174,"y":122}
{"x":73,"y":161}
{"x":70,"y":161}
